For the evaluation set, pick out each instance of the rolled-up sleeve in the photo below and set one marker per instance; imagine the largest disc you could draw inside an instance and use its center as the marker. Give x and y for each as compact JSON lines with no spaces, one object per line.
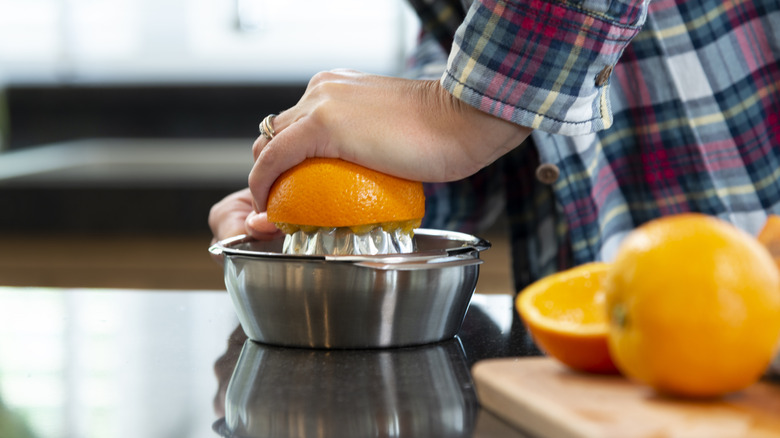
{"x":544,"y":64}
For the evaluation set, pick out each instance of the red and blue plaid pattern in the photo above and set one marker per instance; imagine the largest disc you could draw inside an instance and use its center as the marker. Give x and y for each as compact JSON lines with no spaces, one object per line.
{"x":689,"y":119}
{"x":536,"y":62}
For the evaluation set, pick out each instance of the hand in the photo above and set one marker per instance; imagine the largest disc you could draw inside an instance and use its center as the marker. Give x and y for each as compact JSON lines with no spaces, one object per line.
{"x":235,"y":215}
{"x":408,"y":128}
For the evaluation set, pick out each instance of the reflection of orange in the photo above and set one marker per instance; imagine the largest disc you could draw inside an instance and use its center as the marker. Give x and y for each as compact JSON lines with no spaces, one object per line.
{"x":328,"y":192}
{"x":694,"y":306}
{"x":566,"y":316}
{"x":770,"y":237}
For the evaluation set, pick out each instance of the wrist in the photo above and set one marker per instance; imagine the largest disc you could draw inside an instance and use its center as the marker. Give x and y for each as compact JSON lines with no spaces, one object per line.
{"x":479,"y":136}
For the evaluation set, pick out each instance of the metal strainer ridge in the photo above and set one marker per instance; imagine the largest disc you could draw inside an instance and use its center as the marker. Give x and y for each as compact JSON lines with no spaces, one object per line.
{"x":343,"y":241}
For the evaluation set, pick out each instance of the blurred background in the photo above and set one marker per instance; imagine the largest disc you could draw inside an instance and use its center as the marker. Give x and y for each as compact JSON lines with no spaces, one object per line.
{"x":123,"y":121}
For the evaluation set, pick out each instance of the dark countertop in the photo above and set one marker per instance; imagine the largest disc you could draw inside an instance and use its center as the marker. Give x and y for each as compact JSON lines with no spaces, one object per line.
{"x":116,"y":363}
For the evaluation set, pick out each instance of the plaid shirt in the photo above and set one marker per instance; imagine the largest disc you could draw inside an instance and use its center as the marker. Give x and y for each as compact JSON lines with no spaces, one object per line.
{"x":645,"y":109}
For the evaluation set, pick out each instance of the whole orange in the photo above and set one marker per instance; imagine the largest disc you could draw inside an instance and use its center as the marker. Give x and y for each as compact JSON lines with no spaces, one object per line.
{"x":329,"y":192}
{"x":566,"y":316}
{"x":694,"y":306}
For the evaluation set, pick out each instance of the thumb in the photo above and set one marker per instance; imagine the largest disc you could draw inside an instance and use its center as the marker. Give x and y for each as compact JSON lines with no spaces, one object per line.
{"x":258,"y":226}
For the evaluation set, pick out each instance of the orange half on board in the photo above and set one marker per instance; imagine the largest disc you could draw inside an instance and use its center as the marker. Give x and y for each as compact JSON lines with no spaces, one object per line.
{"x":566,"y":315}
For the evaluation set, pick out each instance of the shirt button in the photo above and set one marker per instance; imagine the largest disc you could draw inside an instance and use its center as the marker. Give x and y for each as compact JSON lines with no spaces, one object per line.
{"x":603,"y":76}
{"x":547,"y":173}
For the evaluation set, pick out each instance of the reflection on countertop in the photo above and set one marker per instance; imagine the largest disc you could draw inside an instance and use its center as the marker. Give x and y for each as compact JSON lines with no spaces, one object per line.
{"x":128,"y":363}
{"x":421,"y":391}
{"x":289,"y":392}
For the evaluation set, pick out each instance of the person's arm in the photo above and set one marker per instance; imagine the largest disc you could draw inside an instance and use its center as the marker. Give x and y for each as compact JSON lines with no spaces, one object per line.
{"x":547,"y":68}
{"x":513,"y":66}
{"x":412,"y":129}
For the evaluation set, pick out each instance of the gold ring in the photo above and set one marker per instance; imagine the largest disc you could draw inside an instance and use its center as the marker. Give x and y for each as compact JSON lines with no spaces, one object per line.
{"x":267,"y":127}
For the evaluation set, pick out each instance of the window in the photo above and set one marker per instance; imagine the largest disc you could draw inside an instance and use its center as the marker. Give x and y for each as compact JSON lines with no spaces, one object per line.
{"x":198,"y":40}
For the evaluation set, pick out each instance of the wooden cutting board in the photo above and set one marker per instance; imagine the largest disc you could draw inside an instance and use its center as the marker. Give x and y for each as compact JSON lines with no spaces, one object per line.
{"x":544,"y":399}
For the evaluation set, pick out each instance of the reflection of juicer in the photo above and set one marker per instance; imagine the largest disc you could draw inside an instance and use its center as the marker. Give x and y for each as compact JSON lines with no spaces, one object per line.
{"x":422,"y":392}
{"x":331,"y":206}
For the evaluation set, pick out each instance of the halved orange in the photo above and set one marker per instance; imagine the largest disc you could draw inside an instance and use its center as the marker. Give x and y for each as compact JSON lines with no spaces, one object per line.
{"x":331,"y":193}
{"x":566,"y":315}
